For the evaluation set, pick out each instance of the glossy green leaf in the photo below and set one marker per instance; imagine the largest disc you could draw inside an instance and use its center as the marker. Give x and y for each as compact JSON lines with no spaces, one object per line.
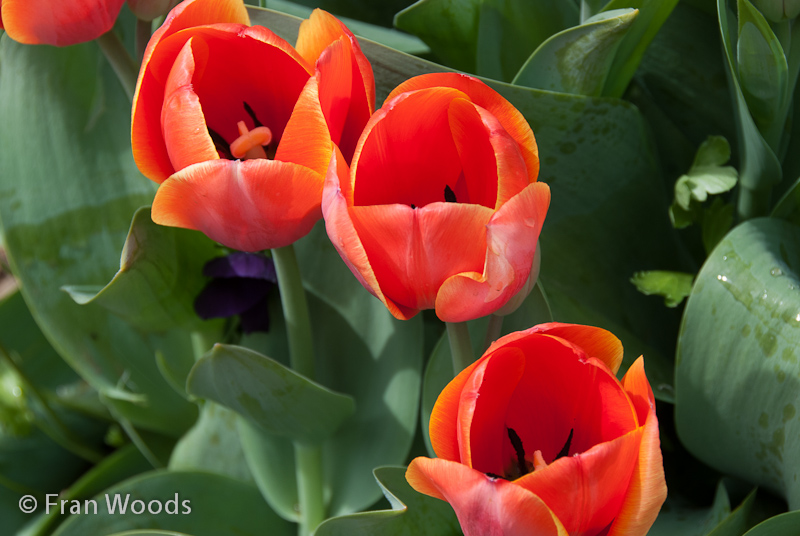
{"x":412,"y":513}
{"x":160,"y":275}
{"x":672,"y":286}
{"x":491,"y":38}
{"x":270,"y":395}
{"x":761,"y":67}
{"x":652,"y":15}
{"x":150,"y":533}
{"x":577,"y":60}
{"x":212,"y":445}
{"x":760,"y":168}
{"x":207,"y":505}
{"x":67,"y":102}
{"x":737,"y":377}
{"x":781,"y":525}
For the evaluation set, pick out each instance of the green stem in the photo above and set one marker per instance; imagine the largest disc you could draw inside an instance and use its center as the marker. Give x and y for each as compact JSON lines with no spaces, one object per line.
{"x":308,"y":458}
{"x":143,"y":33}
{"x":493,"y":330}
{"x":460,"y":345}
{"x":126,"y":69}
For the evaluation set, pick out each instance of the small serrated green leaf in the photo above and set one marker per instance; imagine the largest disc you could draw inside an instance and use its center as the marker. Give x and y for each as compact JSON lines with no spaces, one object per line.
{"x":714,"y":151}
{"x":673,"y":286}
{"x":269,"y":394}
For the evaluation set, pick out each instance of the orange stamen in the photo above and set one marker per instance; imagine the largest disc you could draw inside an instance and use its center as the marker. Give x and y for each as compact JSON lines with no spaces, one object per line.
{"x":538,"y":461}
{"x":249,"y":143}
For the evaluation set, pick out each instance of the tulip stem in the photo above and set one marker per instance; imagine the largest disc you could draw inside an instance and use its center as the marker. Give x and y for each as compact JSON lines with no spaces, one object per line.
{"x":460,"y":345}
{"x":123,"y":64}
{"x":493,"y":330}
{"x":308,"y":458}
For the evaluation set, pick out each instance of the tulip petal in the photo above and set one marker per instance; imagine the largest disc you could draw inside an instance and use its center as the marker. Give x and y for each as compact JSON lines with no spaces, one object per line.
{"x":443,"y":427}
{"x":232,"y":81}
{"x":318,"y":32}
{"x":246,"y":205}
{"x":406,"y":153}
{"x":648,"y":489}
{"x":511,"y":237}
{"x":596,"y":342}
{"x":183,"y":123}
{"x":475,"y":150}
{"x":343,"y":236}
{"x":485,"y":97}
{"x":586,"y":491}
{"x":485,"y":506}
{"x":306,"y":140}
{"x":149,"y":150}
{"x":35,"y":22}
{"x":413,"y":251}
{"x":482,"y":410}
{"x":342,"y":95}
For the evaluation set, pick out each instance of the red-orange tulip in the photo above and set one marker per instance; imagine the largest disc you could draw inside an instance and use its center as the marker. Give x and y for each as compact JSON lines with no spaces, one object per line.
{"x":237,"y":126}
{"x":59,"y":23}
{"x":441,"y":207}
{"x":538,"y":437}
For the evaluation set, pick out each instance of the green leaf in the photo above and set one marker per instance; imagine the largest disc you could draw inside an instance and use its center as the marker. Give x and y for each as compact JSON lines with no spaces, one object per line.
{"x":386,"y":36}
{"x":577,"y":60}
{"x":788,"y":208}
{"x":738,"y":366}
{"x":267,"y":393}
{"x":652,"y":15}
{"x":67,"y":102}
{"x":760,"y":168}
{"x":781,"y":525}
{"x":680,"y":518}
{"x":672,"y":286}
{"x":149,"y":533}
{"x":207,"y":505}
{"x":761,"y":67}
{"x":491,"y":38}
{"x":412,"y":513}
{"x":212,"y":445}
{"x":160,"y":275}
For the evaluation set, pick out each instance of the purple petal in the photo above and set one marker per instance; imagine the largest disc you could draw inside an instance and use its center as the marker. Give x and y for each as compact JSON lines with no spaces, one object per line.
{"x":256,"y":318}
{"x":222,"y":298}
{"x":241,"y":264}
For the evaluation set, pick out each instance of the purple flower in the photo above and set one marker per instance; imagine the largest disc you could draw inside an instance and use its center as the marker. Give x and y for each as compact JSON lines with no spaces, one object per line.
{"x":240,"y":286}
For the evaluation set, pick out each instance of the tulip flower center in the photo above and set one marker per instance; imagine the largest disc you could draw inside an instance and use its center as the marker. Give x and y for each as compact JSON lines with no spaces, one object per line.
{"x":251,"y":143}
{"x":521,"y":465}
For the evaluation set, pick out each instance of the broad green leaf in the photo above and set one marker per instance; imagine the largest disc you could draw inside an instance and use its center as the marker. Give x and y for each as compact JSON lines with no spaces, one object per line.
{"x":760,"y":168}
{"x":375,"y":13}
{"x":737,"y":377}
{"x":652,"y":15}
{"x":207,"y":505}
{"x":781,"y":525}
{"x":67,"y":102}
{"x":386,"y":36}
{"x":761,"y":67}
{"x":577,"y":60}
{"x":672,"y":286}
{"x":160,"y":275}
{"x":149,"y":533}
{"x":491,"y":38}
{"x":212,"y":445}
{"x":788,"y":208}
{"x":412,"y":513}
{"x":270,"y":395}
